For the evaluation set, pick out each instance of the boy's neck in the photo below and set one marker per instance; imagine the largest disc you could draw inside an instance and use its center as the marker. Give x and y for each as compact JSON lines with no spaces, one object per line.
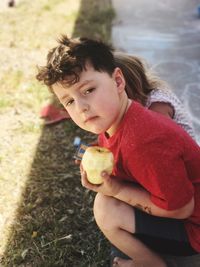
{"x":125,"y":104}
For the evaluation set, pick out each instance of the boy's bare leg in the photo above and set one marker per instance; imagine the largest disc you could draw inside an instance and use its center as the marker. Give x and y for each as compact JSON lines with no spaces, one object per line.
{"x":123,"y":263}
{"x":141,"y":255}
{"x":116,"y":220}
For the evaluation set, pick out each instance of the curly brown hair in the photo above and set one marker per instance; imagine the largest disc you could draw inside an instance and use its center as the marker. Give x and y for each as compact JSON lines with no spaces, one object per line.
{"x":66,"y":61}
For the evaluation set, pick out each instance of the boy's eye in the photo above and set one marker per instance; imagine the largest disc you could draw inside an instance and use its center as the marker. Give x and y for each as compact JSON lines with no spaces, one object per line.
{"x":68,"y":103}
{"x":88,"y":91}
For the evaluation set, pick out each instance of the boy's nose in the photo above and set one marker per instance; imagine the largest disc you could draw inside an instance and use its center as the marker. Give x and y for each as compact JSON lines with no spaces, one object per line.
{"x":83,"y":107}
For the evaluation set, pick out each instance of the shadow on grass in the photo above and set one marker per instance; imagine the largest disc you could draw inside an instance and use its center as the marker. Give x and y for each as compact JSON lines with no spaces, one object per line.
{"x":54,"y":224}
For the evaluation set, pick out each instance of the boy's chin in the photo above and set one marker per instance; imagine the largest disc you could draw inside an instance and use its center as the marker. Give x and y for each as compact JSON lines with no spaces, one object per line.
{"x":95,"y":130}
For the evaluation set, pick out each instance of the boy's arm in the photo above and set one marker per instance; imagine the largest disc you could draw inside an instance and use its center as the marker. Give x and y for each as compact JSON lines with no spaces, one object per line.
{"x":135,"y":196}
{"x":138,"y":197}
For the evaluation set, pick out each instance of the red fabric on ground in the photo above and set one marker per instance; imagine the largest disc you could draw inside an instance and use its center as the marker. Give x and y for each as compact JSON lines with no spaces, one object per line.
{"x":52,"y":114}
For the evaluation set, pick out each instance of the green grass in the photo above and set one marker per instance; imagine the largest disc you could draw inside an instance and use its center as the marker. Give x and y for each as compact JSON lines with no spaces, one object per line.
{"x":46,"y":215}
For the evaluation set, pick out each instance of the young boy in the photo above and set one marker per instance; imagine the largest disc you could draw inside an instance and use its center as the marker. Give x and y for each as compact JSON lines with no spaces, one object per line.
{"x":150,"y":206}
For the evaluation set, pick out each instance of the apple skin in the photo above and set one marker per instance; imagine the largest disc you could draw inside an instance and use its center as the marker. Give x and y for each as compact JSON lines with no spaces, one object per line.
{"x":95,"y":160}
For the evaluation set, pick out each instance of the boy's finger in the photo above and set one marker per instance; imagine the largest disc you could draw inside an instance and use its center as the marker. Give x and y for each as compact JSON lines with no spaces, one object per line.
{"x":77,"y":162}
{"x":83,"y":177}
{"x":105,"y":174}
{"x":81,"y":168}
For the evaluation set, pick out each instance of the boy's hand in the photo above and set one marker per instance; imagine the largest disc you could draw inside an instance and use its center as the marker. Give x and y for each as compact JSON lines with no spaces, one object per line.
{"x":110,"y":186}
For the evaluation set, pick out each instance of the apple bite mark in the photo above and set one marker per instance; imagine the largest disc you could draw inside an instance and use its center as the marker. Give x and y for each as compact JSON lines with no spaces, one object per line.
{"x":96,"y":160}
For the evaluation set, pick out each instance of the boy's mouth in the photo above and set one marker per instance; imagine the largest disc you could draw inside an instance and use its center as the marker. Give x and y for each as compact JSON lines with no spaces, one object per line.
{"x":89,"y":119}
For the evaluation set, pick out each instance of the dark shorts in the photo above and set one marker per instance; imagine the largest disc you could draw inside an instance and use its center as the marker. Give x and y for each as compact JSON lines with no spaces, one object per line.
{"x":163,"y":235}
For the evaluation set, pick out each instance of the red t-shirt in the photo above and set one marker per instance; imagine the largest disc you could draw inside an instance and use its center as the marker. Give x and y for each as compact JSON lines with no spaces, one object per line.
{"x":156,"y":153}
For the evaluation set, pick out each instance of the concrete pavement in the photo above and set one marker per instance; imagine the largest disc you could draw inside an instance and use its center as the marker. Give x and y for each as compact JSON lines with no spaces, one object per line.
{"x":167,"y":34}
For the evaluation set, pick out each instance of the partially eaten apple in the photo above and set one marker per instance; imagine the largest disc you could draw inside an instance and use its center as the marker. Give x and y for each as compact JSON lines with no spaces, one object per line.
{"x":95,"y":160}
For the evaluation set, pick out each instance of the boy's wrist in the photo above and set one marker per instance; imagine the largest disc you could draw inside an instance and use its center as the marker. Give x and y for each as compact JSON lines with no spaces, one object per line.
{"x":121,"y":191}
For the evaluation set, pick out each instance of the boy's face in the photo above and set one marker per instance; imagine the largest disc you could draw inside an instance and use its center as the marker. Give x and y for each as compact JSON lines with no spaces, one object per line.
{"x":94,"y":102}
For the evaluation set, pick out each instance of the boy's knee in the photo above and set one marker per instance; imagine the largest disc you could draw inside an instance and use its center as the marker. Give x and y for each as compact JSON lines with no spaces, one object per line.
{"x":103,"y":205}
{"x":112,"y":214}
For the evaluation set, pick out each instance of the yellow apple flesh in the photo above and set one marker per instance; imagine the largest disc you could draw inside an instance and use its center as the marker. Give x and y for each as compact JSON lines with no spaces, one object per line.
{"x":95,"y":160}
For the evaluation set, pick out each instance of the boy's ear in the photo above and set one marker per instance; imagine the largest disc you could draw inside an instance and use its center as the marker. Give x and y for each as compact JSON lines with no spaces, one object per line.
{"x":119,"y":79}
